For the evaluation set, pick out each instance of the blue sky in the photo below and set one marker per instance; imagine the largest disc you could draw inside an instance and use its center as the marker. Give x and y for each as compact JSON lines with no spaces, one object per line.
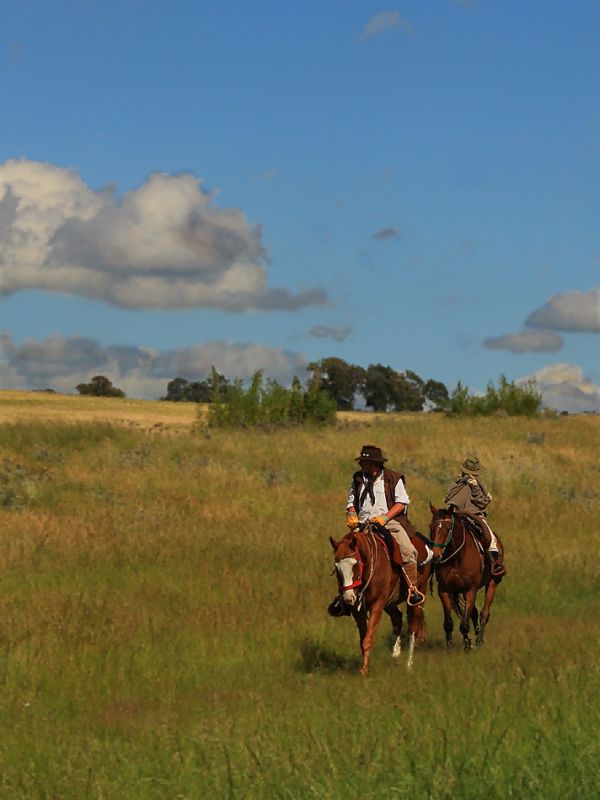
{"x":261,"y":185}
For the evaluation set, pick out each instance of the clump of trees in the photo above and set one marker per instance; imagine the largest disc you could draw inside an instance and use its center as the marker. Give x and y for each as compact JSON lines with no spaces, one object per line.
{"x":180,"y":390}
{"x":383,"y":388}
{"x":270,"y":403}
{"x":507,"y":398}
{"x":100,"y":386}
{"x":333,"y":384}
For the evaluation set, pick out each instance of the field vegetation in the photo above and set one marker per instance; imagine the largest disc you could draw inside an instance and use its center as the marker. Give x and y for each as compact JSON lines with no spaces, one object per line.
{"x":163,"y":626}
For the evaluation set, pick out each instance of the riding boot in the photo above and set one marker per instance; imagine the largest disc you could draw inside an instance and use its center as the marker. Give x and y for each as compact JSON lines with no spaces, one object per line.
{"x":415,"y":597}
{"x":497,"y":567}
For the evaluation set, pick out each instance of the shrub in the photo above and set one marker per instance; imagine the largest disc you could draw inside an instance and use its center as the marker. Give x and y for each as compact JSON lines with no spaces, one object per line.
{"x":508,"y":398}
{"x":270,"y":404}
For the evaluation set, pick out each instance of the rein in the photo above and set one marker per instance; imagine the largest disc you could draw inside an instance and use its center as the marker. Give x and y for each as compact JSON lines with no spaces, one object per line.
{"x":432,"y":542}
{"x":371,"y":540}
{"x":449,"y":539}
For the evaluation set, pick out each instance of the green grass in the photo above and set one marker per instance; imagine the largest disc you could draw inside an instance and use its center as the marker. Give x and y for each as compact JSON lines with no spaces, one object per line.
{"x":163,"y":631}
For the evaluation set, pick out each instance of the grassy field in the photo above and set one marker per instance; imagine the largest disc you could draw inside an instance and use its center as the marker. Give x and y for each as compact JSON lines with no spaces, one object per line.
{"x":163,"y":626}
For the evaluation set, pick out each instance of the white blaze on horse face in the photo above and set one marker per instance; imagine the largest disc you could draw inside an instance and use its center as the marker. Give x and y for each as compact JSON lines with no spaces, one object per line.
{"x":345,"y":568}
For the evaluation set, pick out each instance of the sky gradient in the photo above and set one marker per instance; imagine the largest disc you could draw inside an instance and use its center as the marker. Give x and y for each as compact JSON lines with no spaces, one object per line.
{"x":256,"y":186}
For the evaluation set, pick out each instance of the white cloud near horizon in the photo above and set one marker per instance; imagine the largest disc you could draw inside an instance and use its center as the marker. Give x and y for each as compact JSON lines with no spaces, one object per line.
{"x":526,"y":342}
{"x":60,"y":363}
{"x":162,"y":245}
{"x":571,"y":311}
{"x":384,"y":21}
{"x":565,"y":388}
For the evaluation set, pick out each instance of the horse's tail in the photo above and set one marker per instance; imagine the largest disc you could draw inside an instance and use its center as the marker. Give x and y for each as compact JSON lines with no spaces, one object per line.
{"x":458,"y":604}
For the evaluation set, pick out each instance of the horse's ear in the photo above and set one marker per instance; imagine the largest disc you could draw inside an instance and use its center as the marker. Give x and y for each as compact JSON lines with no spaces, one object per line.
{"x":432,"y":507}
{"x":334,"y":544}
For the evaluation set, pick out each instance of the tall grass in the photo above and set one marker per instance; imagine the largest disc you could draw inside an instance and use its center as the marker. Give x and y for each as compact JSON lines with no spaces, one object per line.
{"x":163,"y":630}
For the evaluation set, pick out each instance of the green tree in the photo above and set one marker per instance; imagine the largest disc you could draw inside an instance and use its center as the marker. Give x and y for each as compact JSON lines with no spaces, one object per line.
{"x":379,"y":387}
{"x":100,"y":386}
{"x":407,"y":391}
{"x":341,"y":381}
{"x":436,"y":393}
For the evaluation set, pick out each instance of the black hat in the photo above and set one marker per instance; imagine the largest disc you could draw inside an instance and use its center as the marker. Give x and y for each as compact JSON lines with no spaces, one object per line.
{"x":369,"y":452}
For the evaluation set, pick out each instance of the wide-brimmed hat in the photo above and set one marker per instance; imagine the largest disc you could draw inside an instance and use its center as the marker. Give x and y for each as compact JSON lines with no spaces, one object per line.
{"x":471,"y":465}
{"x":369,"y":452}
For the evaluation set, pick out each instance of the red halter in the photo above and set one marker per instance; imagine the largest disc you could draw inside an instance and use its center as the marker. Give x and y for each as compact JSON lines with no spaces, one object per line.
{"x":358,"y":581}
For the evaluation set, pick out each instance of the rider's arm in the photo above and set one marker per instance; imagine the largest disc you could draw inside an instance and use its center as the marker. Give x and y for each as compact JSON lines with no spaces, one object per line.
{"x":395,"y":510}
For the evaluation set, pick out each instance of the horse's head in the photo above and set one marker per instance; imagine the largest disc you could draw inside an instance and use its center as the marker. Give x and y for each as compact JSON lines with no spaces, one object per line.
{"x":348,"y":566}
{"x":441,"y":530}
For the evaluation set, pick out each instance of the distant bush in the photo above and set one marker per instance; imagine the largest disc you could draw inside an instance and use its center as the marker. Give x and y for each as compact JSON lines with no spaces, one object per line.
{"x":508,"y":398}
{"x":100,"y":386}
{"x":270,"y":404}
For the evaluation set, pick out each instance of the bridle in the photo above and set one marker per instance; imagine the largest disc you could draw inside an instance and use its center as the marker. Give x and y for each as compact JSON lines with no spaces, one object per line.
{"x":361,"y":566}
{"x":359,"y":581}
{"x":442,"y":547}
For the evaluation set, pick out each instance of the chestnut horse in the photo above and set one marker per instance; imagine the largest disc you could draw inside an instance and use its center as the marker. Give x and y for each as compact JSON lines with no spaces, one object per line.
{"x":461,"y":570}
{"x":369,"y":586}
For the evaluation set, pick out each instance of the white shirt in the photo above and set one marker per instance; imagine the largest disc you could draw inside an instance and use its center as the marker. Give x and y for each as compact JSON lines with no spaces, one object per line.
{"x":380,"y":506}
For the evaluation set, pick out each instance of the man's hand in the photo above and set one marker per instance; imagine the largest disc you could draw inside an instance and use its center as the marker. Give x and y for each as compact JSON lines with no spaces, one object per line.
{"x":472,"y":481}
{"x":352,"y":521}
{"x":381,"y":520}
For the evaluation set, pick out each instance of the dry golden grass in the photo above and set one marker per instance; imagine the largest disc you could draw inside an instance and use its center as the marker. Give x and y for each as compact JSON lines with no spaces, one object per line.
{"x":21,"y":406}
{"x":163,"y":630}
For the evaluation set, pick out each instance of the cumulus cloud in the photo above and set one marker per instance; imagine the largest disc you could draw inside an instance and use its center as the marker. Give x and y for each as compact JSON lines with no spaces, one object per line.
{"x":384,"y":21}
{"x":330,"y":332}
{"x":572,"y":311}
{"x":565,"y":388}
{"x":163,"y":245}
{"x":527,"y":342}
{"x":60,"y":363}
{"x":385,"y":233}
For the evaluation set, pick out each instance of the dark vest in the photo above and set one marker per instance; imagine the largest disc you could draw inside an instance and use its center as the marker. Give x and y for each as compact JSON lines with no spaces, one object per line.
{"x":390,"y":479}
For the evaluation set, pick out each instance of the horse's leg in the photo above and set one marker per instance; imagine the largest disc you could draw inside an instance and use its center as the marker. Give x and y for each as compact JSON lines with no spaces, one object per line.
{"x":475,"y":621}
{"x":367,"y":642}
{"x":416,"y":629}
{"x":447,"y":606}
{"x":465,"y":623}
{"x":396,"y":618}
{"x":490,"y":591}
{"x":361,"y":618}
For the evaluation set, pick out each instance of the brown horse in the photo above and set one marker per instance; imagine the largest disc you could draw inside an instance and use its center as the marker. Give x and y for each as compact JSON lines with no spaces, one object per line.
{"x":461,"y":570}
{"x":368,"y":586}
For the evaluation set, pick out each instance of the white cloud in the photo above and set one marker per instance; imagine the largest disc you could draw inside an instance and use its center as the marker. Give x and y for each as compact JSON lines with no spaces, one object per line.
{"x":565,"y":388}
{"x":338,"y":333}
{"x":60,"y":363}
{"x":163,"y":245}
{"x":384,"y":21}
{"x":572,"y":311}
{"x":527,"y":342}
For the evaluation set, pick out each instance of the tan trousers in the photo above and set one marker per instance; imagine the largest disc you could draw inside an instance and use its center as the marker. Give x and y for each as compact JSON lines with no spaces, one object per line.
{"x":407,"y":549}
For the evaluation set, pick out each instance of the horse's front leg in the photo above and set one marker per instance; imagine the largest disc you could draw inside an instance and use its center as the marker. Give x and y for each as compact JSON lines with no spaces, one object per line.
{"x":396,"y":618}
{"x":367,"y":641}
{"x":490,"y":591}
{"x":476,"y":623}
{"x":448,"y":624}
{"x":465,"y":623}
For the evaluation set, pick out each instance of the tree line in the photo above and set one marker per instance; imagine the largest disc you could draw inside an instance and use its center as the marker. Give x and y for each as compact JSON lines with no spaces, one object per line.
{"x":333,"y":384}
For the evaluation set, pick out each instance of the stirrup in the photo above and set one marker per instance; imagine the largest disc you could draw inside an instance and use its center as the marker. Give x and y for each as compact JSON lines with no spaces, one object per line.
{"x":412,"y":591}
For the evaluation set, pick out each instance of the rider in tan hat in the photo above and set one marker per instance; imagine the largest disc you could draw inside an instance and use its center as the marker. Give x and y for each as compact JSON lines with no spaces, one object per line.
{"x":469,"y":496}
{"x":378,"y":495}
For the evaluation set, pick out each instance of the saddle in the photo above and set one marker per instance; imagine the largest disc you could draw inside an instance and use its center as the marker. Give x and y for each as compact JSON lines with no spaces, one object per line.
{"x":424,"y":554}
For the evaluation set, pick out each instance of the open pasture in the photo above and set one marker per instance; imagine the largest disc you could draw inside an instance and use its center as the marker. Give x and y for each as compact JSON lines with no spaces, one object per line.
{"x":163,"y":626}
